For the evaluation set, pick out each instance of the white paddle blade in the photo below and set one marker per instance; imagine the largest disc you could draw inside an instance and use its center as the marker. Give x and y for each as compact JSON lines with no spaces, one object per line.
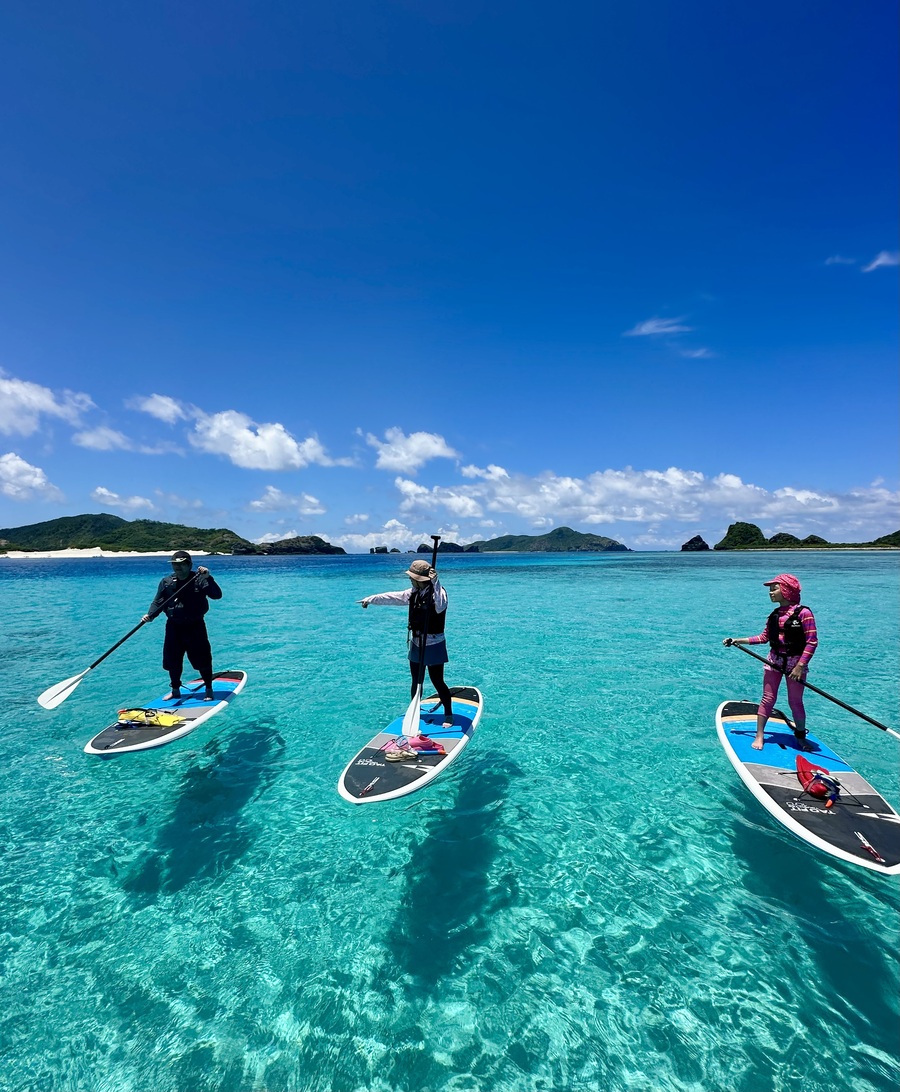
{"x":411,"y":716}
{"x":56,"y":695}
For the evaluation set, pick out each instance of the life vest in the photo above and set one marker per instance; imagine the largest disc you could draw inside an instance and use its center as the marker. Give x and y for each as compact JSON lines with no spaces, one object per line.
{"x":817,"y":781}
{"x":422,"y":615}
{"x":189,"y":603}
{"x":793,"y":641}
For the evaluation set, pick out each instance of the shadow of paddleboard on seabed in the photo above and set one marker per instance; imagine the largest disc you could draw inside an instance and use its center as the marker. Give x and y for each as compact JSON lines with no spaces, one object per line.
{"x":206,"y":834}
{"x":850,"y":964}
{"x":446,"y":904}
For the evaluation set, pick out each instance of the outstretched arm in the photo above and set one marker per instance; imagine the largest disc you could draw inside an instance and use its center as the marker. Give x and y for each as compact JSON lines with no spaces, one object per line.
{"x":388,"y":598}
{"x":759,"y":639}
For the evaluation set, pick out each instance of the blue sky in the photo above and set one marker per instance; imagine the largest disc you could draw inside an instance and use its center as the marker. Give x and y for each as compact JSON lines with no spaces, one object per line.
{"x":376,"y":270}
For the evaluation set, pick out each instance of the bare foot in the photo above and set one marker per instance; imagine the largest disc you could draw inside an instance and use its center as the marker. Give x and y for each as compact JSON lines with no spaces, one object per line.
{"x":758,"y":743}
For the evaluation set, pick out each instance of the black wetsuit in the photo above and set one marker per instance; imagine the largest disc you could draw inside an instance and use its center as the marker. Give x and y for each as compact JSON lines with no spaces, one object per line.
{"x":185,"y":627}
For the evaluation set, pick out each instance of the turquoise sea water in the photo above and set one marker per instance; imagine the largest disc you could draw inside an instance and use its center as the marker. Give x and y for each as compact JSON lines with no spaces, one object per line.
{"x":589,"y":899}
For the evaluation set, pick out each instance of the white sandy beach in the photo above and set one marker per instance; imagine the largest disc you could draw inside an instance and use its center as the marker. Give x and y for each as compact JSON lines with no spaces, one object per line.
{"x":94,"y":551}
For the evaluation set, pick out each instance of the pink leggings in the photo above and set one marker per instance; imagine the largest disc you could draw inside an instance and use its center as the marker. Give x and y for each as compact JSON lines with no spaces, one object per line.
{"x":771,"y":682}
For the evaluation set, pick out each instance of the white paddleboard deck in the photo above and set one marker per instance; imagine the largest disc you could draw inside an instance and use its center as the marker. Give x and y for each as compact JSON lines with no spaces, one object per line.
{"x":859,"y":814}
{"x":191,"y":709}
{"x":369,"y":777}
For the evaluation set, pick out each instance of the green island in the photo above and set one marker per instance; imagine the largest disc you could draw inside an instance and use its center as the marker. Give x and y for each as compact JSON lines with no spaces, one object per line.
{"x":558,"y":541}
{"x":106,"y":532}
{"x":114,"y":534}
{"x":747,"y":536}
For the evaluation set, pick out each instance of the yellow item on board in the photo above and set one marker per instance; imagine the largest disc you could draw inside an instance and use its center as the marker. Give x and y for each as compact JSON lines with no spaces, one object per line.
{"x":150,"y":717}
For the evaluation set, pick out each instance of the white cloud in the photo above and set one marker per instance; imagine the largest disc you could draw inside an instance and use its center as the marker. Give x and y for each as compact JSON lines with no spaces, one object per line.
{"x":257,"y":447}
{"x":273,"y":500}
{"x":102,"y":439}
{"x":808,"y":499}
{"x":160,"y":406}
{"x":417,"y":498}
{"x":697,"y":354}
{"x":883,"y":260}
{"x":656,"y":326}
{"x":246,"y":443}
{"x":359,"y":517}
{"x":394,"y":534}
{"x":22,"y":404}
{"x":127,"y":504}
{"x":491,"y":473}
{"x":252,"y":446}
{"x":669,"y":500}
{"x":273,"y":537}
{"x":837,"y":259}
{"x":407,"y":453}
{"x":21,"y":481}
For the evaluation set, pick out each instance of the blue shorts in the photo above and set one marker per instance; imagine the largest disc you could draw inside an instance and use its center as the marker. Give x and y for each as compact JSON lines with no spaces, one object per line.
{"x":435,"y":653}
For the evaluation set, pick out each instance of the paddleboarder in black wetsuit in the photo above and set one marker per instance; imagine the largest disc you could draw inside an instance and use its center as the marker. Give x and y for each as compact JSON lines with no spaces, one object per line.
{"x":189,"y":593}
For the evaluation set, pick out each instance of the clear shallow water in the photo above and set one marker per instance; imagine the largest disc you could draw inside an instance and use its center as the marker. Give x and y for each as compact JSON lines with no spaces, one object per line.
{"x":589,"y":899}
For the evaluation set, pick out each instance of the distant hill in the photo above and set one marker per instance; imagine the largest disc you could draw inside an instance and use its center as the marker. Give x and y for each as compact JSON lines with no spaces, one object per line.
{"x":747,"y":536}
{"x":559,"y":540}
{"x":301,"y":544}
{"x":144,"y":535}
{"x":695,"y":545}
{"x":443,"y":548}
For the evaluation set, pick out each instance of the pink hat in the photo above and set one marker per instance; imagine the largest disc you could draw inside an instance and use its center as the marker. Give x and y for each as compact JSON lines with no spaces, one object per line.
{"x":790,"y":586}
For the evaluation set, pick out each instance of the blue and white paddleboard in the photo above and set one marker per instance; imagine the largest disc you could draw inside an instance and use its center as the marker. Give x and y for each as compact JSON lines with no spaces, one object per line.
{"x":857,"y":825}
{"x":370,"y":777}
{"x":188,"y":711}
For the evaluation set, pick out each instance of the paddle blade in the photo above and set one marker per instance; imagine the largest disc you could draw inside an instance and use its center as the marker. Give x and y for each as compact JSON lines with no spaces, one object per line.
{"x":411,"y":716}
{"x":56,"y":695}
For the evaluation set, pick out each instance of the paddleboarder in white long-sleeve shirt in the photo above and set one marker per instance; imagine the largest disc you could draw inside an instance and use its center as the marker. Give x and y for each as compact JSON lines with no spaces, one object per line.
{"x":426,"y":600}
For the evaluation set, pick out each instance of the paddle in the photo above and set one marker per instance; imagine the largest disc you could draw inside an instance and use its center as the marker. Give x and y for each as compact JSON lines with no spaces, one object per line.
{"x":411,"y":716}
{"x":56,"y":695}
{"x":815,"y":689}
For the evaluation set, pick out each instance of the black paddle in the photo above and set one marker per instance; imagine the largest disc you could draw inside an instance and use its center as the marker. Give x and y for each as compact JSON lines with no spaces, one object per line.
{"x":411,"y":716}
{"x":57,"y":694}
{"x":732,"y":644}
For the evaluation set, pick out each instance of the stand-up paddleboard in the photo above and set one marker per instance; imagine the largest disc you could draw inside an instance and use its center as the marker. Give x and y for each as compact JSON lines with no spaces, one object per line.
{"x":370,"y":777}
{"x":165,"y":719}
{"x":811,"y":790}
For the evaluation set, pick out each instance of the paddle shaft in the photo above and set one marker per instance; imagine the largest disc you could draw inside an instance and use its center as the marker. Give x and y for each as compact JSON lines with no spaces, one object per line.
{"x":816,"y":690}
{"x":132,"y":632}
{"x":423,"y":636}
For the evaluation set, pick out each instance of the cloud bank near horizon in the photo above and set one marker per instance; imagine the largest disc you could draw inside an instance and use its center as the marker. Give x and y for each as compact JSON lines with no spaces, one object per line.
{"x":668,"y":503}
{"x":642,"y":507}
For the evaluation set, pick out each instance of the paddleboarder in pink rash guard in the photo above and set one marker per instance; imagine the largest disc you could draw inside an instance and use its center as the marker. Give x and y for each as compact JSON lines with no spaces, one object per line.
{"x":791,"y":635}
